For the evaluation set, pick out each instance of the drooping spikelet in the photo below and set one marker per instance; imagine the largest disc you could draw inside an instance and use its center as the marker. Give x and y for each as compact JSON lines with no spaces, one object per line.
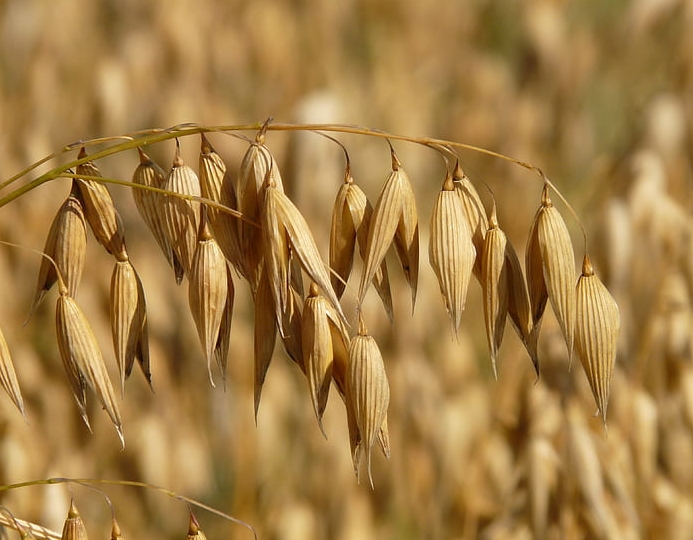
{"x":317,"y":350}
{"x":194,"y":531}
{"x":368,"y":391}
{"x":451,"y":251}
{"x":519,"y":309}
{"x":551,"y":240}
{"x":283,"y":220}
{"x":8,"y":376}
{"x":82,"y":359}
{"x":257,"y":168}
{"x":151,"y":207}
{"x":73,"y":527}
{"x":217,"y":187}
{"x":265,"y":334}
{"x":494,"y":284}
{"x":208,"y":292}
{"x":351,"y":217}
{"x":101,"y":214}
{"x":66,"y":245}
{"x":473,"y":212}
{"x":129,"y":322}
{"x":596,"y":333}
{"x":182,"y":216}
{"x":394,"y":220}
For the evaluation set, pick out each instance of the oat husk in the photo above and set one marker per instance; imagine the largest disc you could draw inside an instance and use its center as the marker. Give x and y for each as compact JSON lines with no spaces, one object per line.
{"x":182,"y":216}
{"x":519,"y":308}
{"x":208,"y":292}
{"x":217,"y":187}
{"x":550,"y":242}
{"x":99,"y":210}
{"x":473,"y":212}
{"x":351,"y":217}
{"x":8,"y":376}
{"x":257,"y":168}
{"x":317,"y":350}
{"x":151,"y":207}
{"x":395,"y":221}
{"x":129,"y":322}
{"x":596,"y":333}
{"x":82,"y":359}
{"x":368,"y":391}
{"x":451,"y":252}
{"x":282,"y":221}
{"x":494,"y":284}
{"x":265,"y":334}
{"x":73,"y":527}
{"x":221,"y":349}
{"x":67,"y":246}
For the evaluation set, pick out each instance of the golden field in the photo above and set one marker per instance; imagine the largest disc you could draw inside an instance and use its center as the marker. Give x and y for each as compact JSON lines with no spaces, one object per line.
{"x":599,"y":95}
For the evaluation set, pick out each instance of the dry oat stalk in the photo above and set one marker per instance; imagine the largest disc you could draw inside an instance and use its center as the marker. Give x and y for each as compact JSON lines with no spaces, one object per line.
{"x":596,"y":333}
{"x":558,"y":264}
{"x":66,"y":245}
{"x":73,"y":528}
{"x":182,"y":216}
{"x":451,"y":251}
{"x":101,"y":214}
{"x":265,"y":334}
{"x":129,"y":322}
{"x":494,"y":285}
{"x":473,"y":212}
{"x":280,"y":210}
{"x":150,"y":206}
{"x":394,"y":219}
{"x":518,"y":305}
{"x":82,"y":359}
{"x":8,"y":376}
{"x":208,"y":292}
{"x":369,"y":392}
{"x":217,"y":187}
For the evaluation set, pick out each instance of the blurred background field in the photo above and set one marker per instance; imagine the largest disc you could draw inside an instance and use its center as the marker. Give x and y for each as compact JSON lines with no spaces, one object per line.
{"x":597,"y":94}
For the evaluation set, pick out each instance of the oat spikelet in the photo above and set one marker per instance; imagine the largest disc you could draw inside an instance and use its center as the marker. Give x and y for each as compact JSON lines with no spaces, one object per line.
{"x":265,"y":334}
{"x":73,"y":527}
{"x":217,"y":187}
{"x":66,"y":245}
{"x":275,"y":253}
{"x":558,"y":263}
{"x":8,"y":376}
{"x":342,"y":238}
{"x":473,"y":212}
{"x":518,"y":305}
{"x":194,"y":531}
{"x":151,"y":207}
{"x":494,"y":286}
{"x":182,"y":217}
{"x":451,"y":251}
{"x":116,"y":534}
{"x":369,"y":392}
{"x":129,"y":322}
{"x":317,"y":350}
{"x":302,"y":244}
{"x":101,"y":214}
{"x":258,"y":165}
{"x":221,"y":349}
{"x":394,"y":219}
{"x":208,"y":292}
{"x":596,"y":333}
{"x":83,"y":360}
